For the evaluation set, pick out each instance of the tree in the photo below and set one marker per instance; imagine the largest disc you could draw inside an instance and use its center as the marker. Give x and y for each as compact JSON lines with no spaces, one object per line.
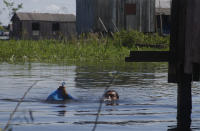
{"x":12,"y":7}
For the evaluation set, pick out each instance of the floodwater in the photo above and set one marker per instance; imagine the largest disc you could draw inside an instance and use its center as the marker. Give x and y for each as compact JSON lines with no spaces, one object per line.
{"x":147,"y":102}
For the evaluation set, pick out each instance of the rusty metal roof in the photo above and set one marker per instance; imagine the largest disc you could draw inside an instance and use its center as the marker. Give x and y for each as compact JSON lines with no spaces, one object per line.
{"x":46,"y":17}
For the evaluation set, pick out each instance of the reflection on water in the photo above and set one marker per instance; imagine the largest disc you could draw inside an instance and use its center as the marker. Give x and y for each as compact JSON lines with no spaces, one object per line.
{"x":147,"y":101}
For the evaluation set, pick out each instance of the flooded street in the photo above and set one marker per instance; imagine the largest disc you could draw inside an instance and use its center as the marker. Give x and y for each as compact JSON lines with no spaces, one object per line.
{"x":147,"y":102}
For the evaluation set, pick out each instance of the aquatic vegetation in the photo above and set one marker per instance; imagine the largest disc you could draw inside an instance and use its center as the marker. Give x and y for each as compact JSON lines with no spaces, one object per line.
{"x":87,"y":48}
{"x":134,"y":38}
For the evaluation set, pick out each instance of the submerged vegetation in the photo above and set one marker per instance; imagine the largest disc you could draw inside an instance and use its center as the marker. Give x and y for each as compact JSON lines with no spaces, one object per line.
{"x":90,"y":48}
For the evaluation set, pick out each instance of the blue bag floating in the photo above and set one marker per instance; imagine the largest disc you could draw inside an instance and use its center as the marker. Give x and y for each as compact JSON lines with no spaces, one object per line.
{"x":60,"y":94}
{"x":57,"y":96}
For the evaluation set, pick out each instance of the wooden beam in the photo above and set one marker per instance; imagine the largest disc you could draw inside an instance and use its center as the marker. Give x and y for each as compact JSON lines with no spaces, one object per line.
{"x":184,"y":100}
{"x":148,"y":56}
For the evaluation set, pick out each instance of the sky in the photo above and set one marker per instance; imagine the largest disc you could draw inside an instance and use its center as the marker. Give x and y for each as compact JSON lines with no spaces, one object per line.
{"x":52,"y":6}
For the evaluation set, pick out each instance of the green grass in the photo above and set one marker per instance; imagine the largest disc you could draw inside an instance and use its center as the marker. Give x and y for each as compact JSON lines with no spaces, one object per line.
{"x":90,"y":50}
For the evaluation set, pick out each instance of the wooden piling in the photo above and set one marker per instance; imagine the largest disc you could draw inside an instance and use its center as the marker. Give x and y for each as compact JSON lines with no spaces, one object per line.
{"x":183,"y":57}
{"x":184,"y":101}
{"x":176,"y":64}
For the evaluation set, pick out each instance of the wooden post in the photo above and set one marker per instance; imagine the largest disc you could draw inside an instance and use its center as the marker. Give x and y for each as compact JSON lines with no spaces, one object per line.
{"x":176,"y":58}
{"x":161,"y":24}
{"x":176,"y":65}
{"x":184,"y":101}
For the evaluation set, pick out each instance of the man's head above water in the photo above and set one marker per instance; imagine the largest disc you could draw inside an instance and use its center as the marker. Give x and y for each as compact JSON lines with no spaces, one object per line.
{"x":111,"y":95}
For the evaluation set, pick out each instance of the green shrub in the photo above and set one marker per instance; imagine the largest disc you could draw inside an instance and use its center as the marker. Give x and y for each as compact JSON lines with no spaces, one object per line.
{"x":90,"y":48}
{"x":132,"y":38}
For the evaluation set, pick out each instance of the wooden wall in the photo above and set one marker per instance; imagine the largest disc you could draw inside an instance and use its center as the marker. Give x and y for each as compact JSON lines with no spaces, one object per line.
{"x":85,"y":15}
{"x":144,"y":18}
{"x":104,"y":11}
{"x":67,"y":29}
{"x":113,"y":12}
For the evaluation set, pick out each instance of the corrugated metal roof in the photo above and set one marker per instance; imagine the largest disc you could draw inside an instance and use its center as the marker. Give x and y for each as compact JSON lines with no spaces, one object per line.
{"x":46,"y":17}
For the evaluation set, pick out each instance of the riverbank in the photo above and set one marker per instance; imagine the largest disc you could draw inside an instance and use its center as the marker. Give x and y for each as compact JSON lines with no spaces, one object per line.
{"x":85,"y":49}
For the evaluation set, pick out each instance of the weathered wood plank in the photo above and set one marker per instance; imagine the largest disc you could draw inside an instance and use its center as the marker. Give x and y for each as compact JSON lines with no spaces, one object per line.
{"x":151,"y":45}
{"x":148,"y":56}
{"x":88,"y":13}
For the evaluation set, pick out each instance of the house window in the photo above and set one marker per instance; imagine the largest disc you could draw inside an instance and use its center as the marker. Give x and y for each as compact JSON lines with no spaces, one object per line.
{"x":130,"y":9}
{"x":55,"y":28}
{"x":35,"y":29}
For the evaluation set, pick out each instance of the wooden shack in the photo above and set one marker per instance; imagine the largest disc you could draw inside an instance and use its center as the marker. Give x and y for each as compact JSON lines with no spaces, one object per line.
{"x":42,"y":26}
{"x":111,"y":15}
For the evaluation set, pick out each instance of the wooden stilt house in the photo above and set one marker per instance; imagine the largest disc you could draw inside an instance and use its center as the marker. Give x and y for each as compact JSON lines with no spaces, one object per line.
{"x":111,"y":15}
{"x":42,"y":26}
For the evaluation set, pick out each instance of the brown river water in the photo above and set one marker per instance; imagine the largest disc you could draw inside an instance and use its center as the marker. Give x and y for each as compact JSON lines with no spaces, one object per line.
{"x":147,"y":102}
